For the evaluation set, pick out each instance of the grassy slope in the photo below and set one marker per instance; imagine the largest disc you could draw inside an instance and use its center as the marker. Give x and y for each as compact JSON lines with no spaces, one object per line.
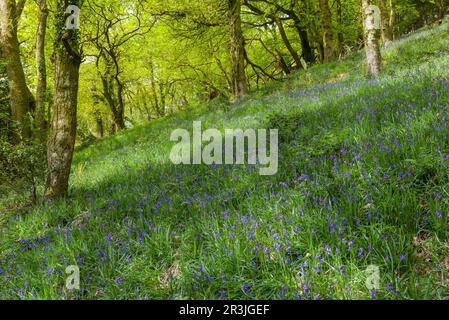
{"x":363,"y":180}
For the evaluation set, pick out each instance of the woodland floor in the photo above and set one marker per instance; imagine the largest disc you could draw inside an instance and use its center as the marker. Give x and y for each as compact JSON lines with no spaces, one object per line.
{"x":363,"y":180}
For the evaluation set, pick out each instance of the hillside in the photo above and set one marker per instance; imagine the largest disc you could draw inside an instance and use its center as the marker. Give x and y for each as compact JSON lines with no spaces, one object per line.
{"x":362,"y":181}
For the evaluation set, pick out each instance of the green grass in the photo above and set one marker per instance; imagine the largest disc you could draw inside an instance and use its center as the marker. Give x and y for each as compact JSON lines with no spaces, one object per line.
{"x":363,"y":180}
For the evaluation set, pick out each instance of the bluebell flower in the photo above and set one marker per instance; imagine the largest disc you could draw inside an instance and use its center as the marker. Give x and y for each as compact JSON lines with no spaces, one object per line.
{"x":373,"y":294}
{"x":342,"y":270}
{"x":361,"y":253}
{"x":391,"y":289}
{"x":245,"y":288}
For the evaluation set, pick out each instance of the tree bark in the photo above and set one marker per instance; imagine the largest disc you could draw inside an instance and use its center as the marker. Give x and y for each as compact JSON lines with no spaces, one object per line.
{"x":99,"y":124}
{"x":21,"y":99}
{"x":307,"y":52}
{"x":372,"y":39}
{"x":62,"y":136}
{"x":120,"y":115}
{"x":41,"y":89}
{"x":154,"y":90}
{"x":340,"y":36}
{"x":237,"y":51}
{"x":284,"y":66}
{"x":441,"y":5}
{"x":326,"y":27}
{"x":287,"y":43}
{"x":114,"y":100}
{"x":112,"y":87}
{"x":392,"y":22}
{"x":163,"y":100}
{"x":386,"y":31}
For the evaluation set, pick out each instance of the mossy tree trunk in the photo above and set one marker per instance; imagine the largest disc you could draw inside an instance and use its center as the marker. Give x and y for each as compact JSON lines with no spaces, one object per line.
{"x":307,"y":51}
{"x":113,"y":94}
{"x":61,"y":141}
{"x":387,"y":36}
{"x":392,"y":22}
{"x":237,"y":47}
{"x":340,"y":35}
{"x":41,"y":89}
{"x":287,"y":43}
{"x":21,"y":100}
{"x":327,"y":32}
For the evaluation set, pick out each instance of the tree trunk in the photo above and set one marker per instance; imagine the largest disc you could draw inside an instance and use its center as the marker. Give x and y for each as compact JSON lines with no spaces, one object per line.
{"x":163,"y":100}
{"x":237,"y":53}
{"x":21,"y":99}
{"x":307,"y":52}
{"x":119,"y":121}
{"x":284,"y":66}
{"x":277,"y":54}
{"x":62,"y":136}
{"x":385,"y":24}
{"x":114,"y":100}
{"x":340,"y":36}
{"x":392,"y":22}
{"x":441,"y":9}
{"x":326,"y":26}
{"x":372,"y":38}
{"x":287,"y":43}
{"x":98,"y":122}
{"x":41,"y":89}
{"x":112,"y":88}
{"x":5,"y":109}
{"x":154,"y":90}
{"x":120,"y":115}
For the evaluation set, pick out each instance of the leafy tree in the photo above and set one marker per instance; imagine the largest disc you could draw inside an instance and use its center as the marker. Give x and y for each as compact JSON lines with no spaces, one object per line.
{"x":114,"y":26}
